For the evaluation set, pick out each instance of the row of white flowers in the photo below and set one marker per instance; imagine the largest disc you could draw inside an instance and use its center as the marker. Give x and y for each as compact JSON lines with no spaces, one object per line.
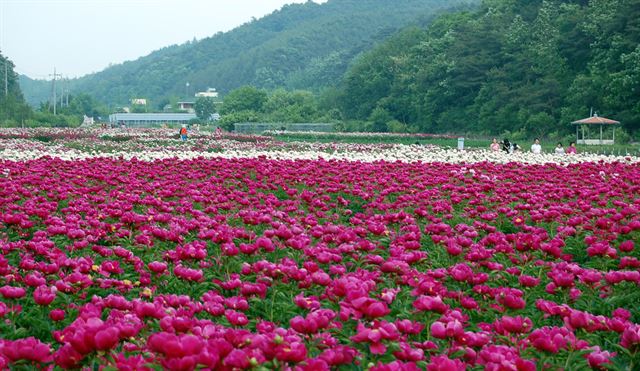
{"x":403,"y":153}
{"x":156,"y":144}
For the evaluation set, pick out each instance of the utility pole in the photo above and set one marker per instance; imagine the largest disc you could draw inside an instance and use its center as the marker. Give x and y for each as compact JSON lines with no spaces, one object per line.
{"x":6,"y":79}
{"x":66,"y":80}
{"x":55,"y":100}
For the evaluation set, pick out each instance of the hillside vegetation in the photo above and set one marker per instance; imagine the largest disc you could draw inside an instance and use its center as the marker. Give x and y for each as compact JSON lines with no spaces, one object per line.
{"x":511,"y":66}
{"x":301,"y":46}
{"x":12,"y":104}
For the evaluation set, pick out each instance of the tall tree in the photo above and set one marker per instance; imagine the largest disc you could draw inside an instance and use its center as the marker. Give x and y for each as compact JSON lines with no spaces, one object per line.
{"x":245,"y":98}
{"x":13,"y":109}
{"x":204,"y":107}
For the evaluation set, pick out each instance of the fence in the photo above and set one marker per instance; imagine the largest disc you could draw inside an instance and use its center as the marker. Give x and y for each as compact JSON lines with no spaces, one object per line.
{"x":260,"y":127}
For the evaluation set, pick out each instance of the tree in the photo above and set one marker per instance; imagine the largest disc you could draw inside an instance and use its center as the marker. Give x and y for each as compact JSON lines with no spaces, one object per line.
{"x":227,"y":121}
{"x":83,"y":104}
{"x":246,"y":98}
{"x":204,"y":107}
{"x":13,"y":109}
{"x":287,"y":106}
{"x":379,"y":119}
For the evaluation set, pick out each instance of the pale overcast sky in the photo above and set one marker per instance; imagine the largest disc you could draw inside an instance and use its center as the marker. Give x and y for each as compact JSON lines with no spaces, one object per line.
{"x":83,"y":36}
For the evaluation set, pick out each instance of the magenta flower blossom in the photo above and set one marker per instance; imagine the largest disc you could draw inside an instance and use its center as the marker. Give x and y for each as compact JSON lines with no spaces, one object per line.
{"x":598,"y":359}
{"x":631,"y":337}
{"x":450,"y":329}
{"x":375,"y":335}
{"x":513,"y":325}
{"x":29,"y":349}
{"x":11,"y":292}
{"x":498,"y":357}
{"x":443,"y":363}
{"x":430,"y":303}
{"x":157,"y":267}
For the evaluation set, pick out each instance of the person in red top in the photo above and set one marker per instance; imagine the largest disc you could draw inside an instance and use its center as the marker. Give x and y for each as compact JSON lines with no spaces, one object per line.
{"x":572,"y":148}
{"x":183,"y":133}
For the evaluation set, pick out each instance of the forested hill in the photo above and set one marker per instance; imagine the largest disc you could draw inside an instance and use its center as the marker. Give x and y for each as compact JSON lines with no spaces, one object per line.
{"x":530,"y":66}
{"x":299,"y":46}
{"x":12,"y":103}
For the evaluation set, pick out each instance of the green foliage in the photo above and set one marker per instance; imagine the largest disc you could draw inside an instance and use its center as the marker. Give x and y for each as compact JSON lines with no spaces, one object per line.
{"x":227,"y":121}
{"x":13,"y":109}
{"x":301,"y":46}
{"x":379,"y":118}
{"x":204,"y":107}
{"x":529,"y":67}
{"x":138,"y":108}
{"x":296,"y":106}
{"x":48,"y":119}
{"x":250,"y":104}
{"x":245,"y":98}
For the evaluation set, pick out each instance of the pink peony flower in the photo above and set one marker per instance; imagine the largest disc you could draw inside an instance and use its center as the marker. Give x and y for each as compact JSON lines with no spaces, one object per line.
{"x":44,"y":295}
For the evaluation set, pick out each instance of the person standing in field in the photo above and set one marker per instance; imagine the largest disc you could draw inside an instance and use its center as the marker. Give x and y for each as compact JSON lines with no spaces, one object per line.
{"x":183,"y":133}
{"x":495,"y":146}
{"x":559,"y":150}
{"x":506,"y":146}
{"x":572,"y":148}
{"x":536,"y":147}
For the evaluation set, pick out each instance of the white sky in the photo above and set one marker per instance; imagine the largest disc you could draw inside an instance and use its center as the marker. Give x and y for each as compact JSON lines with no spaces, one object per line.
{"x":83,"y":36}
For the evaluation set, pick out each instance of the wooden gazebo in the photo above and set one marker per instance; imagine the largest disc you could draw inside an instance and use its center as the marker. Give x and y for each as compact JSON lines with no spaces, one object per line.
{"x":595,"y":120}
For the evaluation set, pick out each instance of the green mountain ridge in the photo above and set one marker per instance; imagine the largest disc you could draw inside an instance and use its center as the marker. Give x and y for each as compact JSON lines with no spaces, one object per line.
{"x":301,"y":46}
{"x":524,"y":67}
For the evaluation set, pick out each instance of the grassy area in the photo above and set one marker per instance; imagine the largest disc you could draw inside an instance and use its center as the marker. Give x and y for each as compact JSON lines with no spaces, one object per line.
{"x":548,"y":146}
{"x":364,"y":139}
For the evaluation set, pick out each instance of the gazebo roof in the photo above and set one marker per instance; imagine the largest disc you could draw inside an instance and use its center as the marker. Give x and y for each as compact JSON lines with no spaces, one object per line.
{"x":596,"y":120}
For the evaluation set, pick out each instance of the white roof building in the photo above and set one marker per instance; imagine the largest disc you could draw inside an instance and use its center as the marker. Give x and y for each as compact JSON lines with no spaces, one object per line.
{"x":210,"y":93}
{"x":139,"y":101}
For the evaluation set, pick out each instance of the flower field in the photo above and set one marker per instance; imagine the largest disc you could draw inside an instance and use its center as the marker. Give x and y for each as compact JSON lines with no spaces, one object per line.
{"x":156,"y":144}
{"x":152,"y":255}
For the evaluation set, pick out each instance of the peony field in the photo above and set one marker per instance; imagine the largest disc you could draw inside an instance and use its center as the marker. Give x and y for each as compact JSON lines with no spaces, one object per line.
{"x":131,"y":250}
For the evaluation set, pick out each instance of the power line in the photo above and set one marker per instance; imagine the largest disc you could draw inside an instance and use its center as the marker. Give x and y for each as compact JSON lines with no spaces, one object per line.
{"x":29,"y":74}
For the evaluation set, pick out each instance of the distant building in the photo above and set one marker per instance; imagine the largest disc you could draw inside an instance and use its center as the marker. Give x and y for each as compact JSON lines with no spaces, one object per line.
{"x":146,"y":120}
{"x":210,"y":93}
{"x":187,"y":106}
{"x":139,"y":101}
